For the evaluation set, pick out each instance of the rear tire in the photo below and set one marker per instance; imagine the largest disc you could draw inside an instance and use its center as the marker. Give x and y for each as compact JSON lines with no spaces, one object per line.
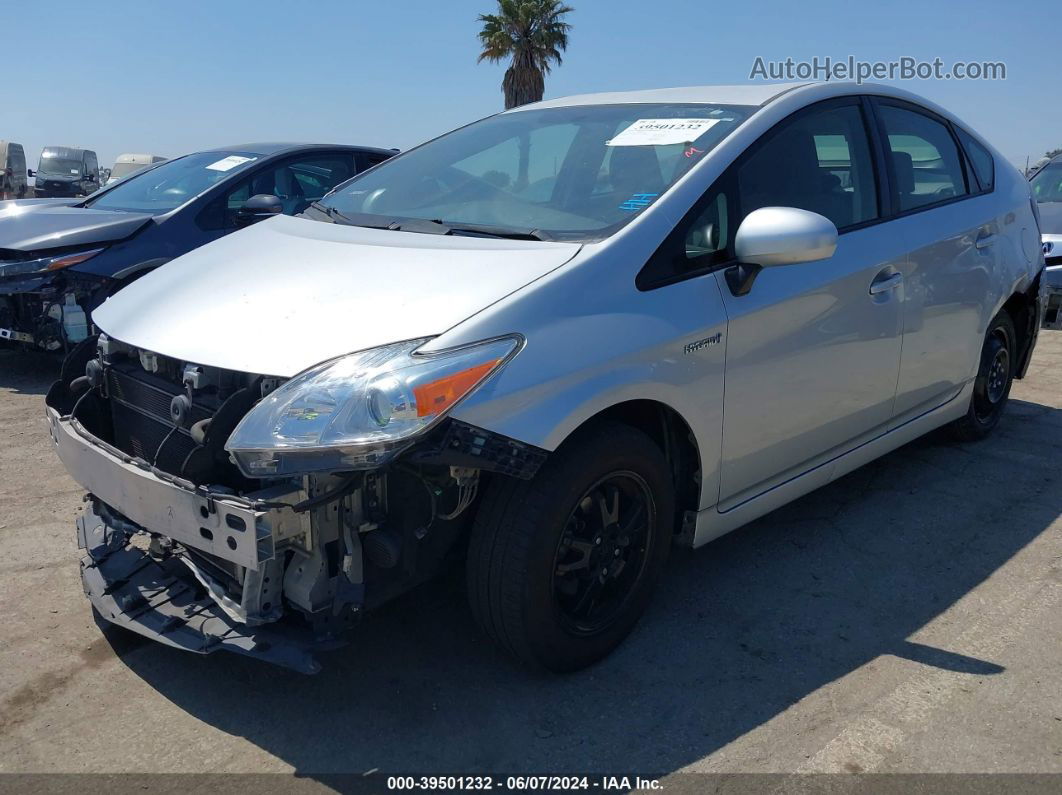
{"x":560,"y":568}
{"x":995,"y":374}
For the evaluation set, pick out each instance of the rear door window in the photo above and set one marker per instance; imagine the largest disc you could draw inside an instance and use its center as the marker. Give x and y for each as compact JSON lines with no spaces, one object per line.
{"x":367,"y":160}
{"x":313,"y":178}
{"x":926,"y":163}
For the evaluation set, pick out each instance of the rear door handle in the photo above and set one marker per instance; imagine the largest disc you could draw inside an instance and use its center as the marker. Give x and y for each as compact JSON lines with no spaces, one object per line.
{"x":885,"y":282}
{"x":984,"y":240}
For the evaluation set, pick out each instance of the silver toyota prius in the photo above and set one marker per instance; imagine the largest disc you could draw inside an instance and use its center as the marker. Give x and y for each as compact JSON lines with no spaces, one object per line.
{"x":546,"y":347}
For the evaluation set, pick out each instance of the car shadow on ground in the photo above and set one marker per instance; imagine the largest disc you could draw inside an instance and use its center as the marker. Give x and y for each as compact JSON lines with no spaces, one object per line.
{"x":739,"y":631}
{"x":28,"y":372}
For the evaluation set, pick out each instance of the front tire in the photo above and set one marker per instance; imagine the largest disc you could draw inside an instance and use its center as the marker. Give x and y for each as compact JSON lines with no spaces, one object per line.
{"x":995,"y":374}
{"x":561,"y":567}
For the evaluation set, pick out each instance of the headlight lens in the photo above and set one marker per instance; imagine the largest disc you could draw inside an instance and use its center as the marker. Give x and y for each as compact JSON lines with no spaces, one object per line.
{"x":45,"y":264}
{"x":357,"y":411}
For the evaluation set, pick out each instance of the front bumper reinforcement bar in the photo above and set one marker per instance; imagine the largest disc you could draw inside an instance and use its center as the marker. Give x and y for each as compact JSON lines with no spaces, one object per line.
{"x":161,"y":600}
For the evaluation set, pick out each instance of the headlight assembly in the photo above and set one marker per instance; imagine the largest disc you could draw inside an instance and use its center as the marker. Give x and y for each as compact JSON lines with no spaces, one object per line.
{"x":46,"y":264}
{"x":357,"y":411}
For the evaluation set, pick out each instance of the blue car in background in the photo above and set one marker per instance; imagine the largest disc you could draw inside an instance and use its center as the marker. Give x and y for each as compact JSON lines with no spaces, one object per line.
{"x":59,"y":259}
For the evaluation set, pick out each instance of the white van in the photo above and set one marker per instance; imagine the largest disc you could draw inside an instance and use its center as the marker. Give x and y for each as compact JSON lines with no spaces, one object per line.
{"x":128,"y":164}
{"x":14,"y":157}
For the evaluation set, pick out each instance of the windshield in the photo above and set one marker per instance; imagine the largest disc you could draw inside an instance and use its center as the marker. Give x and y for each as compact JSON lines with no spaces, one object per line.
{"x":168,"y":186}
{"x":1047,"y":184}
{"x":572,"y":173}
{"x":125,"y":169}
{"x":59,"y":166}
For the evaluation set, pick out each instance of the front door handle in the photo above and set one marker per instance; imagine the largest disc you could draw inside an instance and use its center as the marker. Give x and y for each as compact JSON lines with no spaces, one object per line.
{"x":984,"y":240}
{"x":885,"y":282}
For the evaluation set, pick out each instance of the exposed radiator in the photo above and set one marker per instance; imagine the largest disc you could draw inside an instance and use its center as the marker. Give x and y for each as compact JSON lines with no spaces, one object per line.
{"x":140,"y":409}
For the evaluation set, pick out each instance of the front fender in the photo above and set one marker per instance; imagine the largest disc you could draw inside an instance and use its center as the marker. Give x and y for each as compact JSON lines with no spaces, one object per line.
{"x":574,"y":369}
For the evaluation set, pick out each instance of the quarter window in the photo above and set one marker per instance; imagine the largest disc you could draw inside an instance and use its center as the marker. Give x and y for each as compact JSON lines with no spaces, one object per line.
{"x":984,"y":165}
{"x":925,"y":159}
{"x":709,"y":235}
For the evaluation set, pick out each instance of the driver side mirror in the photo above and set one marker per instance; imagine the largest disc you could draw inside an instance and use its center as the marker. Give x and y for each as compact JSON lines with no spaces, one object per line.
{"x":773,"y":236}
{"x":258,"y":207}
{"x":31,"y":173}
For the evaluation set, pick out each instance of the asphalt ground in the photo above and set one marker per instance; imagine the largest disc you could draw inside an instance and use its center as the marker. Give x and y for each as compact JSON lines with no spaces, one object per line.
{"x":905,"y":618}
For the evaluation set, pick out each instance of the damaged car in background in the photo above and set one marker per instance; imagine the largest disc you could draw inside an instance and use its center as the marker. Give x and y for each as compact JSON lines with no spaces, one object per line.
{"x":59,"y":259}
{"x":507,"y":349}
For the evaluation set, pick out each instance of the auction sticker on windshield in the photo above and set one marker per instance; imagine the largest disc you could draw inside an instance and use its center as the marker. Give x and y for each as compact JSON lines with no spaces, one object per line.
{"x":662,"y":132}
{"x":229,"y":163}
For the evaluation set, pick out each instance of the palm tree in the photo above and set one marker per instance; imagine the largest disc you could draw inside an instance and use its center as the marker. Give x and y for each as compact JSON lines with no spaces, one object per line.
{"x":534,"y":34}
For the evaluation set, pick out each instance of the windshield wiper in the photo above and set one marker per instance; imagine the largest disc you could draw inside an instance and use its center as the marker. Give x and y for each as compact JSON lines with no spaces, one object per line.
{"x":331,"y":212}
{"x":436,"y":227}
{"x":476,"y":230}
{"x":339,"y":217}
{"x":430,"y":226}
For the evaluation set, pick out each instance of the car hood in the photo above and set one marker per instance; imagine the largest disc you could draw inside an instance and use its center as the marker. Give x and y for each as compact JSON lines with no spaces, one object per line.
{"x":289,"y":293}
{"x":27,"y":227}
{"x":27,"y":204}
{"x":1050,"y":217}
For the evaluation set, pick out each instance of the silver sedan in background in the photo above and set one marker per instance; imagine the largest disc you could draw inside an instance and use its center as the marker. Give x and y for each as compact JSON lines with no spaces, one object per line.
{"x":1047,"y":191}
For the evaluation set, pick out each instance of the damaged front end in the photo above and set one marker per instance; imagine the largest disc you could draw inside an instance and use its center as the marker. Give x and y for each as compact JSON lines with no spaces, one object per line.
{"x":43,"y":306}
{"x":271,"y":556}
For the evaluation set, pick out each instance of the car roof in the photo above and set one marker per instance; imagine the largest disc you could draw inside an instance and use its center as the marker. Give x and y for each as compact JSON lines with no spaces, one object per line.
{"x":276,"y":148}
{"x":751,"y":94}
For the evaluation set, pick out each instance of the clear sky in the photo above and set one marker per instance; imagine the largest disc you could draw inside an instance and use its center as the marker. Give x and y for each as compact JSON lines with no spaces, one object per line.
{"x":171,"y":78}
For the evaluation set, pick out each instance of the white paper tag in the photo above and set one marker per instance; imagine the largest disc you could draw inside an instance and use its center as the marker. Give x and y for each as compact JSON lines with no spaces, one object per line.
{"x":230,"y":162}
{"x":661,"y":132}
{"x":73,"y":171}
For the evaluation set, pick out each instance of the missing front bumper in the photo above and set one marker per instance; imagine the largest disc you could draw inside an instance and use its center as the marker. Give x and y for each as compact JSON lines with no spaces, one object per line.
{"x":161,"y":600}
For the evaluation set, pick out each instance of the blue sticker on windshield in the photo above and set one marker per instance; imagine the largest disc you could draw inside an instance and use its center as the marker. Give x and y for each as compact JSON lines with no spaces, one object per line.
{"x":639,"y":201}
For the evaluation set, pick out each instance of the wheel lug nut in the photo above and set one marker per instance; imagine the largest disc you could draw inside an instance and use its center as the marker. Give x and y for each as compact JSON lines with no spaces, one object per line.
{"x":615,"y":553}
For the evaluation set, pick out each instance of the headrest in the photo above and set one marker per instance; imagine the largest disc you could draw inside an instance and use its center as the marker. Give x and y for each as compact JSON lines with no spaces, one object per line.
{"x":636,"y":167}
{"x":789,"y":159}
{"x":903,"y":165}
